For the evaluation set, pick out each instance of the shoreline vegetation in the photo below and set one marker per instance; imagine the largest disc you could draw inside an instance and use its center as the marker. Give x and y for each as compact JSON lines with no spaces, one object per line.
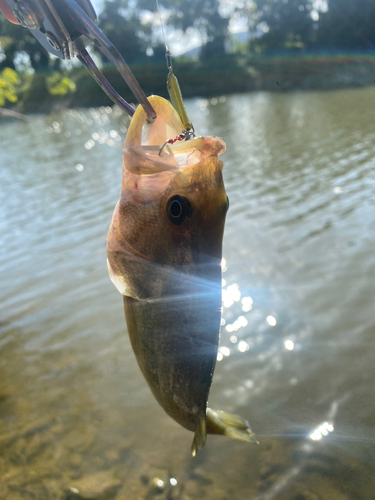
{"x":208,"y":79}
{"x":255,"y":45}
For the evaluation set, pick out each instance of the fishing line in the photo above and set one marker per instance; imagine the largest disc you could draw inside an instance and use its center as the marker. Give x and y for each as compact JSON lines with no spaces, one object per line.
{"x":168,"y":53}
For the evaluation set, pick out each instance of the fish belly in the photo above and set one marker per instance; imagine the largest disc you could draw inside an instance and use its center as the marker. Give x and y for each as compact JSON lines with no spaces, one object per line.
{"x":175,"y":340}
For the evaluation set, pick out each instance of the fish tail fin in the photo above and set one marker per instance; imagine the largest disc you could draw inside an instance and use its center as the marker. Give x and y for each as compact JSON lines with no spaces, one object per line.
{"x":199,"y":436}
{"x":230,"y":425}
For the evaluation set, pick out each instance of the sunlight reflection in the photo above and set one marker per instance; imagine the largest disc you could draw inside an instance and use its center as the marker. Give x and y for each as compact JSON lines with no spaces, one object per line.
{"x":89,"y":144}
{"x":234,"y":292}
{"x":271,"y":320}
{"x":224,"y":350}
{"x":227,"y":300}
{"x":240,"y":322}
{"x":158,"y":483}
{"x":289,"y":345}
{"x":202,"y":104}
{"x":323,"y":430}
{"x":247,"y":304}
{"x":243,"y":346}
{"x":231,"y":295}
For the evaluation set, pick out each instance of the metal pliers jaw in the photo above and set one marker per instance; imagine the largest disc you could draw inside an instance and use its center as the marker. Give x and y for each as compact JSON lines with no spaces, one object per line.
{"x":65,"y":28}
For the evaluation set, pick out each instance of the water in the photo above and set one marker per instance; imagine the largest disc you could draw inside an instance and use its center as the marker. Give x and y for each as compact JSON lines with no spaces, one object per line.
{"x":298,"y":340}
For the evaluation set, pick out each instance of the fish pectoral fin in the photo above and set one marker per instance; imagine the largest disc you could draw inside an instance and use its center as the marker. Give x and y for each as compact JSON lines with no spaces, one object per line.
{"x":230,"y":425}
{"x":199,"y":436}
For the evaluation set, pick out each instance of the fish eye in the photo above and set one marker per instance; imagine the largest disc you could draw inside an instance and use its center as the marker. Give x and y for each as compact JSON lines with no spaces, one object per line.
{"x":178,"y":207}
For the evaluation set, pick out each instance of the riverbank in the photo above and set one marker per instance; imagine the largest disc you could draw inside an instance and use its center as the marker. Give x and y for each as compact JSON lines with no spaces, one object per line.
{"x":228,"y":76}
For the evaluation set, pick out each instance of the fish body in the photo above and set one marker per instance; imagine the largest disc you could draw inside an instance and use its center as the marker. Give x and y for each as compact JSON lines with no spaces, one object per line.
{"x":164,"y":252}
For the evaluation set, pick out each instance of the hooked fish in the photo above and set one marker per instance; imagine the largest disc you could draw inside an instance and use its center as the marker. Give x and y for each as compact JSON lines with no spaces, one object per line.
{"x":164,"y":253}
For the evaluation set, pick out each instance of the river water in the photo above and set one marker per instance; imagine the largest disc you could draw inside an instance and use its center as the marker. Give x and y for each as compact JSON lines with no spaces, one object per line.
{"x":77,"y":419}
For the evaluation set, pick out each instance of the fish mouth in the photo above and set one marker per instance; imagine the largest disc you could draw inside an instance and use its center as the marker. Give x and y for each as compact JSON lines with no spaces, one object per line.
{"x":147,"y":151}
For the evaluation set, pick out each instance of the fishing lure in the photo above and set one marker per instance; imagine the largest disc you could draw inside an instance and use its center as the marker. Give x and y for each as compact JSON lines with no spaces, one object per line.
{"x":175,"y":96}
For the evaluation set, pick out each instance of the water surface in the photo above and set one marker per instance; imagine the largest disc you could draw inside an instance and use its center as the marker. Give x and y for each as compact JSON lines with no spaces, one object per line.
{"x":297,"y":343}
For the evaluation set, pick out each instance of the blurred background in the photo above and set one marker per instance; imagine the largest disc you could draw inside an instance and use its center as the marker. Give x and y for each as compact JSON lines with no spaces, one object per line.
{"x":219,"y":46}
{"x":289,"y":86}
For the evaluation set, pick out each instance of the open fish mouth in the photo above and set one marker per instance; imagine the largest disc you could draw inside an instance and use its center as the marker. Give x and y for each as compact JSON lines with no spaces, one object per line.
{"x":146,"y":150}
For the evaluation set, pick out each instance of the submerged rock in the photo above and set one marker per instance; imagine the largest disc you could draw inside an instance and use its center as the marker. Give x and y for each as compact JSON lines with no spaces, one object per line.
{"x":99,"y":486}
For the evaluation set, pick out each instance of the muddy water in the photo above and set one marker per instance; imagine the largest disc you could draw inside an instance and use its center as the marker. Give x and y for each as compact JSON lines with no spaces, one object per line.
{"x":77,"y":420}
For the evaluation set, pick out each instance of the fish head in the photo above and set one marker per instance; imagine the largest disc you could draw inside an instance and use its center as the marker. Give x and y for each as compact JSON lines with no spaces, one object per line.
{"x":172,"y":209}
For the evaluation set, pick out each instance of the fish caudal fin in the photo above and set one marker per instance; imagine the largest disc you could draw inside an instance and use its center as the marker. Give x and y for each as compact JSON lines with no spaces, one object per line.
{"x":230,"y":425}
{"x":199,"y":436}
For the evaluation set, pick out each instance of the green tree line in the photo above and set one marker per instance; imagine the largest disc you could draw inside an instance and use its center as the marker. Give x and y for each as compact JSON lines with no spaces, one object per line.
{"x":272,"y":25}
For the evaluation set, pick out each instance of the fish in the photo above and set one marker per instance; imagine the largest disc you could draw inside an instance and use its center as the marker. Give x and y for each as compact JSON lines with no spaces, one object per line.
{"x":164,"y":252}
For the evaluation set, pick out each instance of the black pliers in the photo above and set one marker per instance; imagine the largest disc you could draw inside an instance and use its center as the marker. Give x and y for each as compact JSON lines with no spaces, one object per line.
{"x":65,"y":28}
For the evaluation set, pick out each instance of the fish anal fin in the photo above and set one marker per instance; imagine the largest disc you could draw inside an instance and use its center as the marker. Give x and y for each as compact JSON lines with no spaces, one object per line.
{"x":199,"y":436}
{"x":230,"y":425}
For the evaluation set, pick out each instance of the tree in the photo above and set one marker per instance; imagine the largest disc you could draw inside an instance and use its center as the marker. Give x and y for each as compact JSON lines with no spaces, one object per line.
{"x":203,"y":15}
{"x":348,"y":24}
{"x":247,"y":9}
{"x":285,"y":23}
{"x":120,"y":22}
{"x":15,"y":39}
{"x":8,"y":83}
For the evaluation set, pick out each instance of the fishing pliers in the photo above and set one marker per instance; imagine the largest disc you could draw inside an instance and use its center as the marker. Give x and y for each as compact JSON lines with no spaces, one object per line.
{"x":65,"y":28}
